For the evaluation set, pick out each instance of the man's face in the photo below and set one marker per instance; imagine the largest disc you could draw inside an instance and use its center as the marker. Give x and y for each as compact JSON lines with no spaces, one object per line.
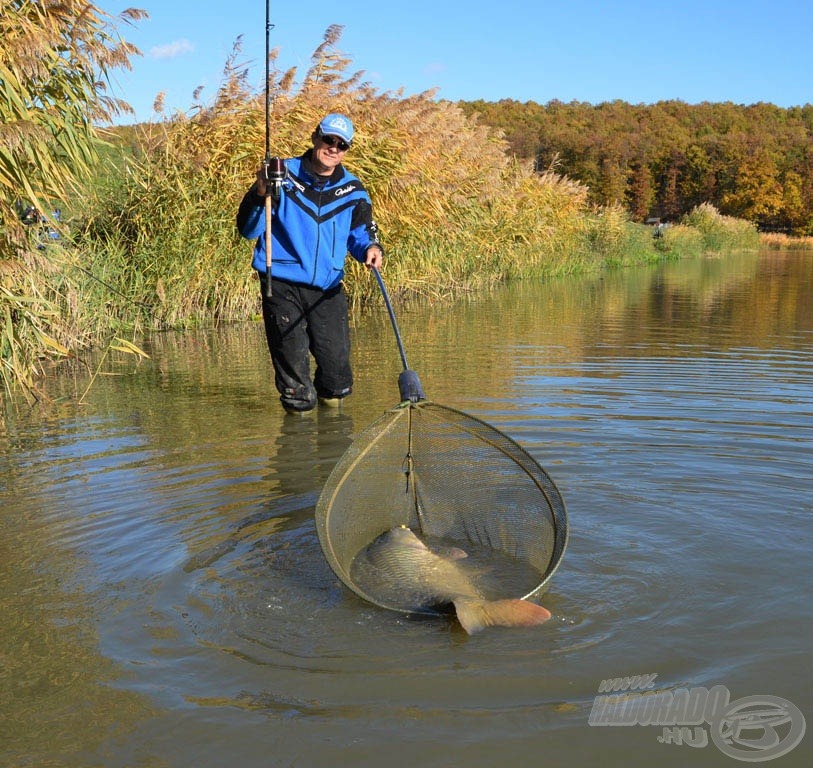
{"x":327,"y":152}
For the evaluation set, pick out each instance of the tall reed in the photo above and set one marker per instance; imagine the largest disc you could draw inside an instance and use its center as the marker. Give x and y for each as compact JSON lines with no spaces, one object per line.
{"x":781,"y":242}
{"x":55,"y":59}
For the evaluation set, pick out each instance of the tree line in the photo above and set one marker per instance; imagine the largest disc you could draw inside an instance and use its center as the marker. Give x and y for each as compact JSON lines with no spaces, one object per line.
{"x":661,"y":160}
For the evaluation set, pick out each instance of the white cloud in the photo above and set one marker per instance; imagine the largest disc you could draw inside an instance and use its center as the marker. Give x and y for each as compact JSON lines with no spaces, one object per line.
{"x":171,"y":50}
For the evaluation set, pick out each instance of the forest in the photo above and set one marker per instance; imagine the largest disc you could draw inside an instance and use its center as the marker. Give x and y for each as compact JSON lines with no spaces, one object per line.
{"x":753,"y":162}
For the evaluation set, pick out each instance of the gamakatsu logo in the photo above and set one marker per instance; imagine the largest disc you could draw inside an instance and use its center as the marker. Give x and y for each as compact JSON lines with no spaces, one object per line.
{"x":344,"y":190}
{"x":751,"y":729}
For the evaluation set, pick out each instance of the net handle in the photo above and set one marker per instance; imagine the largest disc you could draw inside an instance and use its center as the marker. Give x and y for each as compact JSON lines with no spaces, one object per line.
{"x":408,"y":382}
{"x":392,"y":316}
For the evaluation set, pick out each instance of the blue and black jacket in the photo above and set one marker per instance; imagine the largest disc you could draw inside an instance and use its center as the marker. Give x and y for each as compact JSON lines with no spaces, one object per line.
{"x":316,"y":222}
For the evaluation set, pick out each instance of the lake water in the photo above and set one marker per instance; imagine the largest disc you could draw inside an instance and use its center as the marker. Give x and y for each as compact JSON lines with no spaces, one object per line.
{"x":166,"y":603}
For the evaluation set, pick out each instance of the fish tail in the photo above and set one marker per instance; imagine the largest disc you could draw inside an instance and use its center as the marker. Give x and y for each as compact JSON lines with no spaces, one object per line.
{"x":475,"y":615}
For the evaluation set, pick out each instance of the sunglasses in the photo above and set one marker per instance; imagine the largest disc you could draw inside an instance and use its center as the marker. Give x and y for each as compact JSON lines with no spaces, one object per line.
{"x":333,"y":141}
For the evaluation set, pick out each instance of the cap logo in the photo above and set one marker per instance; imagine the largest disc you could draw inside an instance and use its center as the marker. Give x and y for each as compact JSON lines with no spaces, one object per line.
{"x":340,"y":124}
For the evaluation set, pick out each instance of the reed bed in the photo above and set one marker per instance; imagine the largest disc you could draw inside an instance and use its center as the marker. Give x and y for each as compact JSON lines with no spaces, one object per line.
{"x":781,"y":242}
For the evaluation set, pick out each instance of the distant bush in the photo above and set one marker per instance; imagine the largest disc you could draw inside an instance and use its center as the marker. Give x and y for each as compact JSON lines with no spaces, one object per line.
{"x":721,"y":233}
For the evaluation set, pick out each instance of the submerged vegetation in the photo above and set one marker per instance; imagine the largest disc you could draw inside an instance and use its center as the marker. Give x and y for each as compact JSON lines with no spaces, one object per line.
{"x":151,"y":243}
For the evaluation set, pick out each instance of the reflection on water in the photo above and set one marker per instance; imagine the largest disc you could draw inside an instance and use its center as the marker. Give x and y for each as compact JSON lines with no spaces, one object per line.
{"x":166,"y":602}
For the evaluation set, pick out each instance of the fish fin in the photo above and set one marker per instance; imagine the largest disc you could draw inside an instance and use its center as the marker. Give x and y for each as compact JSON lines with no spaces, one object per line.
{"x":475,"y":615}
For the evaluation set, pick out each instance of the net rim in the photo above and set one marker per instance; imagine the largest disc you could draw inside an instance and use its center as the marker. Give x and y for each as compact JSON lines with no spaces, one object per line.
{"x":357,"y":451}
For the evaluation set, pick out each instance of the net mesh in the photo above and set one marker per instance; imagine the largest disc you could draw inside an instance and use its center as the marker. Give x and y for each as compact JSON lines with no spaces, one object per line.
{"x":450,"y":477}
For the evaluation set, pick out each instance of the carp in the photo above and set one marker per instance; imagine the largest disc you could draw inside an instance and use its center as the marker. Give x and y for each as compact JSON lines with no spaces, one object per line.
{"x":436,"y":576}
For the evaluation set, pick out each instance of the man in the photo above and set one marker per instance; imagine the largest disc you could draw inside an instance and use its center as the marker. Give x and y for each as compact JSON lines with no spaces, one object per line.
{"x":322,"y":213}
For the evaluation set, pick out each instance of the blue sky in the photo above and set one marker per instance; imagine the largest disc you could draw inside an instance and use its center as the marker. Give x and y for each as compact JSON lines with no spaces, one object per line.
{"x":584,"y":50}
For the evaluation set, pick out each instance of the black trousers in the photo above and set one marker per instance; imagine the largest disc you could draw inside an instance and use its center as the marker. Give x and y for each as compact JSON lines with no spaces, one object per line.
{"x":301,"y":321}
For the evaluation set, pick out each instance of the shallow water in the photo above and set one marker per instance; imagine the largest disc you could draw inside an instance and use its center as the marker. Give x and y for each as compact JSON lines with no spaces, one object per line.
{"x":166,"y":601}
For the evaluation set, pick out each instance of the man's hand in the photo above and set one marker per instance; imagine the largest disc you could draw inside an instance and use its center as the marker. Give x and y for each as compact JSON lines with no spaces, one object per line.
{"x":374,"y":258}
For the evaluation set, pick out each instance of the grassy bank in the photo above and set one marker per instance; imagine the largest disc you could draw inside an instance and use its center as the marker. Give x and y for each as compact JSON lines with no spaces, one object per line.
{"x":152,"y":242}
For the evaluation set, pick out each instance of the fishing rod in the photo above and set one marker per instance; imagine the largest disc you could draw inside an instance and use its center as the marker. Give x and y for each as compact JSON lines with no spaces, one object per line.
{"x":273,"y":166}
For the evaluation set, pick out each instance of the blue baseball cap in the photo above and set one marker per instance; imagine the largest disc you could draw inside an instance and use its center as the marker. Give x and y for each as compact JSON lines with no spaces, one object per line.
{"x":337,"y":125}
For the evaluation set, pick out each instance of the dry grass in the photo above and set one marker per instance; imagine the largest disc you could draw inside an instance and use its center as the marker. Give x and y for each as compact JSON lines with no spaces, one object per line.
{"x":778,"y":241}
